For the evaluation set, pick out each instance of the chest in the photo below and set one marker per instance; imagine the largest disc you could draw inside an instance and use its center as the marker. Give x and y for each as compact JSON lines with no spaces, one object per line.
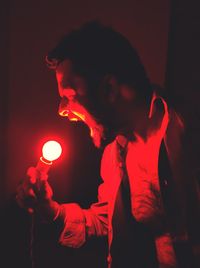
{"x":142,"y":158}
{"x":141,"y":163}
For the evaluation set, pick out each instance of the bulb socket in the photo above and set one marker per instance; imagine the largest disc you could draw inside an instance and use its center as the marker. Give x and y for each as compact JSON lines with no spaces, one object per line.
{"x":43,"y":165}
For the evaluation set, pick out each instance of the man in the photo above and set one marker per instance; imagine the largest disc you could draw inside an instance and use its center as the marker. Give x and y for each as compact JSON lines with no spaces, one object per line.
{"x":142,"y":202}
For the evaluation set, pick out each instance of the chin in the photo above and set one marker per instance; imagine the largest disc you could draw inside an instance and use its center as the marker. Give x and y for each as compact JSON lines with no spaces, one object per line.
{"x":97,"y":142}
{"x":96,"y":130}
{"x":97,"y":135}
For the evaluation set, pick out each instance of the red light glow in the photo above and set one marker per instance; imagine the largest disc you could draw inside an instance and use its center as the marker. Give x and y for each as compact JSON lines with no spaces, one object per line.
{"x":51,"y":150}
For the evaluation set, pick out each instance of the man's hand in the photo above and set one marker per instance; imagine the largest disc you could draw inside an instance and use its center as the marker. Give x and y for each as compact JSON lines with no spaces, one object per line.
{"x":35,"y":195}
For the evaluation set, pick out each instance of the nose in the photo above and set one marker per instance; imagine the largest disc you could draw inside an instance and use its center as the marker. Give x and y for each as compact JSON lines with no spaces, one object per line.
{"x":69,"y":93}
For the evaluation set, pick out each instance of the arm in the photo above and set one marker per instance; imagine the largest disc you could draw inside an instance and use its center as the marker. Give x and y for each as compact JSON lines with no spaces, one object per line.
{"x":77,"y":224}
{"x":80,"y":224}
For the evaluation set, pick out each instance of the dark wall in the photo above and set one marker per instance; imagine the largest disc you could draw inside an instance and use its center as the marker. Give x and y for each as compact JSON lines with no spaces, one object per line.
{"x":183,"y":86}
{"x":4,"y":70}
{"x":183,"y":71}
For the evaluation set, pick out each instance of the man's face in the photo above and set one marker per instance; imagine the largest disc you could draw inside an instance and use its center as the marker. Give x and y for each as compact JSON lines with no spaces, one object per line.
{"x":76,"y":103}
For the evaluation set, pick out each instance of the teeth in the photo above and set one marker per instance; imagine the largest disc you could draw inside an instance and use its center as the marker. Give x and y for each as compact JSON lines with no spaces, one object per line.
{"x":79,"y":115}
{"x":64,"y":113}
{"x":74,"y":119}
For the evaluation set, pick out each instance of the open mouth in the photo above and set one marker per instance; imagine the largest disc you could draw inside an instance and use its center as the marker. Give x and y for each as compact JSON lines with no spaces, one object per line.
{"x":75,"y":117}
{"x":72,"y":116}
{"x":74,"y":111}
{"x":70,"y":111}
{"x":66,"y":110}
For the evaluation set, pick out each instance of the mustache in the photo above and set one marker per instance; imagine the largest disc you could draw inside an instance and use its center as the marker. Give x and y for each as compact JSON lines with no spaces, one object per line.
{"x":72,"y":106}
{"x":76,"y":111}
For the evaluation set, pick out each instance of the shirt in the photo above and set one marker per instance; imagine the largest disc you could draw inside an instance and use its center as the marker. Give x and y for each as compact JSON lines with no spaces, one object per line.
{"x":146,"y":200}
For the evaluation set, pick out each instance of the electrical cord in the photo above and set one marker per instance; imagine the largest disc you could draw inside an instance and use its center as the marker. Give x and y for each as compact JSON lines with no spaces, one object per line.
{"x":32,"y":229}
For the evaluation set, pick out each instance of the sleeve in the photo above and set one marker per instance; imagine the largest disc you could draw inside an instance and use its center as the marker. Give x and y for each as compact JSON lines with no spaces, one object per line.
{"x":80,"y":224}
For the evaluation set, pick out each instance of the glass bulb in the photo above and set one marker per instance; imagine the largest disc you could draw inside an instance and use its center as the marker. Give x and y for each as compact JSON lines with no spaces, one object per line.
{"x":51,"y":150}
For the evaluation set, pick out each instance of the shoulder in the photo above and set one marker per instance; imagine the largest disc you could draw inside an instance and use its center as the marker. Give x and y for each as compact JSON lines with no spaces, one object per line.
{"x":107,"y":159}
{"x":108,"y":152}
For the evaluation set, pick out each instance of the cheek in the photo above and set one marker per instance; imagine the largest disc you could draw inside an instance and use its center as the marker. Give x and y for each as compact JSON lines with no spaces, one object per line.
{"x":127,"y":93}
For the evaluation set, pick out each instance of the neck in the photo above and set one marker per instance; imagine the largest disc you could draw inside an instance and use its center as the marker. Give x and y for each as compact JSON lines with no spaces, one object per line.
{"x":139,"y":121}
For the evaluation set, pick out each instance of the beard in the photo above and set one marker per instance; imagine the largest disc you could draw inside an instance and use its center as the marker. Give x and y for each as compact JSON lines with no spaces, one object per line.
{"x":102,"y":118}
{"x":76,"y":112}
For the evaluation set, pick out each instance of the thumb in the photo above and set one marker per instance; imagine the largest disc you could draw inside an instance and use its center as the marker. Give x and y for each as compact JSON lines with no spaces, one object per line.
{"x":33,"y":174}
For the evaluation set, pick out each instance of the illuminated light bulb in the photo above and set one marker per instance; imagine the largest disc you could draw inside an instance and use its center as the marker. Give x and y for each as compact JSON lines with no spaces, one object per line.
{"x":51,"y":151}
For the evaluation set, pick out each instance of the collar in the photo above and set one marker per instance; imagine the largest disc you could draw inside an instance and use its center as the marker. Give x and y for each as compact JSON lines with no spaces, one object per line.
{"x":152,"y":104}
{"x":123,"y":140}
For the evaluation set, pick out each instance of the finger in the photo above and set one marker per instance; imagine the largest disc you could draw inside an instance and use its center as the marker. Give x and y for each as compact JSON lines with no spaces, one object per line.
{"x":33,"y":174}
{"x":23,"y":204}
{"x":31,"y":182}
{"x":27,"y":188}
{"x":43,"y":176}
{"x":26,"y":197}
{"x":31,"y":193}
{"x":45,"y":190}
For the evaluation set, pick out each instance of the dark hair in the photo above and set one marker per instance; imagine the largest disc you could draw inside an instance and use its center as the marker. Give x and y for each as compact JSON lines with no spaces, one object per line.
{"x":98,"y":50}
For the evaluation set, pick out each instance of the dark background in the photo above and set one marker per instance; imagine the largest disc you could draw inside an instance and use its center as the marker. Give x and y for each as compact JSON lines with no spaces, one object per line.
{"x":167,"y":37}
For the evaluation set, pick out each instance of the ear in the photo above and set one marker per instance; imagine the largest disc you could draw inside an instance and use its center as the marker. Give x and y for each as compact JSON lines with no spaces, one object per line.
{"x":111,"y":88}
